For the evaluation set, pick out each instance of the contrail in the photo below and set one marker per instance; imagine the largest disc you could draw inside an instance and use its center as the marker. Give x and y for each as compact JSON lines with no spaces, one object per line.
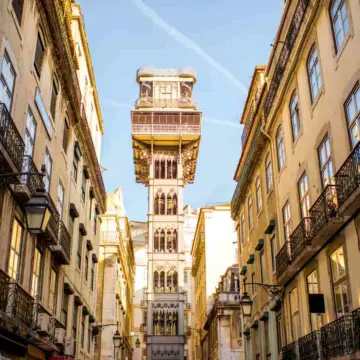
{"x":205,"y":119}
{"x":187,"y":42}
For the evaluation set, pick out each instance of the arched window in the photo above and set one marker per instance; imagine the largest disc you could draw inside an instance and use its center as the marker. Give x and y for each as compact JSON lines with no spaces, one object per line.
{"x":157,"y":204}
{"x":157,"y":169}
{"x":269,"y":172}
{"x":169,"y":204}
{"x":174,"y":204}
{"x":169,"y":245}
{"x":156,"y":241}
{"x":314,"y":73}
{"x":250,"y":212}
{"x":174,"y":240}
{"x":169,"y":169}
{"x":156,"y":281}
{"x":162,"y":240}
{"x":174,"y":169}
{"x":280,"y":147}
{"x":159,"y":281}
{"x":339,"y":22}
{"x":258,"y":194}
{"x":162,"y":204}
{"x":294,"y":115}
{"x":163,"y":169}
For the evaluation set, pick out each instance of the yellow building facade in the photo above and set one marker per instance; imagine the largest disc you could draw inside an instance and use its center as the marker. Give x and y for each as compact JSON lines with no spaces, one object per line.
{"x":48,"y":274}
{"x":304,"y":140}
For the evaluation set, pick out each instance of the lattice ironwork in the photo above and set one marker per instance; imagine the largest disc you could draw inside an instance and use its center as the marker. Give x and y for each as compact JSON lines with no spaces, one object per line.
{"x":11,"y":138}
{"x":356,"y":319}
{"x":4,"y":290}
{"x":348,"y":176}
{"x":300,"y":237}
{"x":338,"y":337}
{"x":310,"y":346}
{"x":283,"y":259}
{"x":65,"y":239}
{"x":282,"y":63}
{"x":32,"y":181}
{"x":247,"y":128}
{"x":290,"y":351}
{"x":182,"y":102}
{"x":324,"y":208}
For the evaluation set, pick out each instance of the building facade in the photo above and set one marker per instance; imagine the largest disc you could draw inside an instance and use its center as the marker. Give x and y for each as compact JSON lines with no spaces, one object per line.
{"x":306,"y":130}
{"x":115,"y":291}
{"x":48,"y":275}
{"x":223,"y":325}
{"x":209,"y":262}
{"x":166,"y":128}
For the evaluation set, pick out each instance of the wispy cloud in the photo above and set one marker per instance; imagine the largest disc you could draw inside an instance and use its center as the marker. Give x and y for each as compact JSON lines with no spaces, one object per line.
{"x":205,"y":119}
{"x":189,"y":43}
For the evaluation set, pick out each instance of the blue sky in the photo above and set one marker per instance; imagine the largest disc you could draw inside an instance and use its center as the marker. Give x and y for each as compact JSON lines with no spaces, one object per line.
{"x":221,"y":39}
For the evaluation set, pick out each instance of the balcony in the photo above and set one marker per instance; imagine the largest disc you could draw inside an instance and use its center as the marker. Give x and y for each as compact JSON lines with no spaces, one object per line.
{"x":51,"y":233}
{"x":11,"y":145}
{"x":62,"y":248}
{"x":310,"y":346}
{"x":283,"y":261}
{"x":29,"y":184}
{"x":150,"y":102}
{"x":290,"y":351}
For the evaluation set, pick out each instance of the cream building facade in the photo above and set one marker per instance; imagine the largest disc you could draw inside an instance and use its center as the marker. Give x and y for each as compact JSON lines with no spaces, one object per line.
{"x":48,"y":278}
{"x":214,"y":248}
{"x":115,"y":291}
{"x":306,"y":130}
{"x":166,"y":129}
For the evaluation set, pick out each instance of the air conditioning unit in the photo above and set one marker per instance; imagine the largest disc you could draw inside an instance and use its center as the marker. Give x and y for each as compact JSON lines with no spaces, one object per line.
{"x":69,"y":346}
{"x":43,"y":324}
{"x":59,"y":336}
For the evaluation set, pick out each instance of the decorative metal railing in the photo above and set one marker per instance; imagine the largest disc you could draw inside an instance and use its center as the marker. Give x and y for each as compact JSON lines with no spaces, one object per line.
{"x":283,"y":259}
{"x":246,"y":131}
{"x":300,"y":237}
{"x":166,"y":128}
{"x":290,"y":351}
{"x":288,"y":45}
{"x":20,"y":304}
{"x":166,"y":103}
{"x":65,"y":239}
{"x":324,"y":208}
{"x":33,"y":182}
{"x":356,"y":319}
{"x":348,"y":176}
{"x":4,"y":289}
{"x":310,"y":346}
{"x":11,"y":138}
{"x":338,"y":337}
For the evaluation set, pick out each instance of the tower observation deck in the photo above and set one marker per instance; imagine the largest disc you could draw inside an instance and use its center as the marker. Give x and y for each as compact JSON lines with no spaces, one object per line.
{"x":166,"y":131}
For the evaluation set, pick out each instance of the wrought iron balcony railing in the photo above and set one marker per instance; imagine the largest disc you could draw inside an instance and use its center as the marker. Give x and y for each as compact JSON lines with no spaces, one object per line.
{"x":300,"y":237}
{"x":324,"y":208}
{"x":348,"y":176}
{"x":65,"y":239}
{"x":356,"y":319}
{"x":310,"y":346}
{"x":11,"y":138}
{"x":165,"y":103}
{"x":283,"y":259}
{"x":246,"y":131}
{"x":33,"y":182}
{"x":290,"y":351}
{"x":4,"y":289}
{"x":282,"y":62}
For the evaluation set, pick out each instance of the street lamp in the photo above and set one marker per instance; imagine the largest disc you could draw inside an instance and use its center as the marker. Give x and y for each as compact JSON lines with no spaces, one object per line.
{"x":37,"y":212}
{"x":117,"y":342}
{"x":137,"y":343}
{"x":246,"y":305}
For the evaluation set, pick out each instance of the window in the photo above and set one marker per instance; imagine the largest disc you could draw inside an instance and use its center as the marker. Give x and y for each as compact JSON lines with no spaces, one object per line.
{"x":82,"y":337}
{"x":90,"y":207}
{"x":353,"y":115}
{"x":313,"y":288}
{"x":294,"y":115}
{"x":15,"y":251}
{"x":79,"y":250}
{"x":250,"y":212}
{"x":253,"y":280}
{"x":36,"y":275}
{"x":48,"y":167}
{"x":7,"y":81}
{"x":87,"y":265}
{"x":340,"y":22}
{"x":53,"y":290}
{"x":75,"y":166}
{"x":18,"y":6}
{"x":60,"y":199}
{"x":66,"y":135}
{"x":304,"y":197}
{"x":279,"y":331}
{"x":287,"y":220}
{"x":64,"y":309}
{"x":92,"y":279}
{"x":39,"y":54}
{"x":269,"y":173}
{"x":83,"y":186}
{"x":74,"y":320}
{"x":314,"y":73}
{"x":294,"y":314}
{"x":89,"y":337}
{"x":280,"y":147}
{"x":325,"y":160}
{"x":54,"y":94}
{"x":258,"y":194}
{"x":339,"y":280}
{"x":30,"y":131}
{"x":262,"y":268}
{"x":242,"y":228}
{"x":95,"y":221}
{"x":273,"y":252}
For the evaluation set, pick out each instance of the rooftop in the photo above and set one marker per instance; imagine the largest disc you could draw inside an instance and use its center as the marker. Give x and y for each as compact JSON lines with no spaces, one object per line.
{"x":151,"y":71}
